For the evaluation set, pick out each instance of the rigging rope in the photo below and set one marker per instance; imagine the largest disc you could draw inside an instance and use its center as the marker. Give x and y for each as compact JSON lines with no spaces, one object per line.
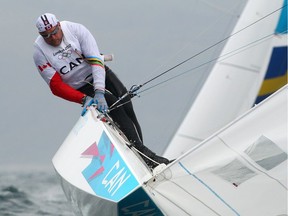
{"x":213,"y":45}
{"x":226,"y":55}
{"x":133,"y":90}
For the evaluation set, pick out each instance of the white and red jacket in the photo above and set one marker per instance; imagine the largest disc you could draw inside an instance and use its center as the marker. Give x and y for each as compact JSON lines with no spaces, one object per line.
{"x":63,"y":67}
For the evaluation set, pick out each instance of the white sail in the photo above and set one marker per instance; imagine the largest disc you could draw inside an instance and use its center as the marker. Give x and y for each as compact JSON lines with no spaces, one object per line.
{"x":234,"y":82}
{"x":240,"y":170}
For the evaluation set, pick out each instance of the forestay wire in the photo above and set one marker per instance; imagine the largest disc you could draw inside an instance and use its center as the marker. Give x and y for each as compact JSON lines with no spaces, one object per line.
{"x":220,"y":58}
{"x":133,"y":90}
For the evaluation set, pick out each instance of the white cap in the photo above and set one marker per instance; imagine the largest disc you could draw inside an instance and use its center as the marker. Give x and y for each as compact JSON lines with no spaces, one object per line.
{"x":46,"y":22}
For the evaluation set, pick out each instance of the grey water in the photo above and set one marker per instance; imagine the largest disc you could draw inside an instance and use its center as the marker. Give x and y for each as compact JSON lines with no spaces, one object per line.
{"x":32,"y":193}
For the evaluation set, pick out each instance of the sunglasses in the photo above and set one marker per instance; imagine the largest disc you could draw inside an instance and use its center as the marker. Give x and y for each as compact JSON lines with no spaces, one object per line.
{"x":55,"y":31}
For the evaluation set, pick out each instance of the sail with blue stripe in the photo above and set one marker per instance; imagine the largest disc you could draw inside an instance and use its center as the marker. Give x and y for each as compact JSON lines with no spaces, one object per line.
{"x":276,"y":74}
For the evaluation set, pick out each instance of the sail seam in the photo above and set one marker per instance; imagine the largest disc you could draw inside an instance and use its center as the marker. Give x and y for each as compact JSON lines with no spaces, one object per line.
{"x":240,"y":67}
{"x":195,"y":198}
{"x":190,"y":137}
{"x":209,"y":188}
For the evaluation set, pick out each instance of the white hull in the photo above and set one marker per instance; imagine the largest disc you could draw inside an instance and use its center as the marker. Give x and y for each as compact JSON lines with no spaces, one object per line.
{"x":100,"y":175}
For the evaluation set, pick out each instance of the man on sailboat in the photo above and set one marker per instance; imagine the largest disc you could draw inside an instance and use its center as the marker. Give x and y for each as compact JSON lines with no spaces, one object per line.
{"x":68,"y":59}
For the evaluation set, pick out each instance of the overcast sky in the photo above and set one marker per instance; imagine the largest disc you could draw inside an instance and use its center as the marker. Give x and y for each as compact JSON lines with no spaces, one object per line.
{"x":146,"y":38}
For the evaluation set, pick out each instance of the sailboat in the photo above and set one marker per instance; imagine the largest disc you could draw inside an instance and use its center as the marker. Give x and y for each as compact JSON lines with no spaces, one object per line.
{"x":232,"y":164}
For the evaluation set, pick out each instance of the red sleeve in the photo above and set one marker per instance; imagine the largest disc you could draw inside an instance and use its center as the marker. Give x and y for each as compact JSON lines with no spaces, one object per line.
{"x":61,"y":89}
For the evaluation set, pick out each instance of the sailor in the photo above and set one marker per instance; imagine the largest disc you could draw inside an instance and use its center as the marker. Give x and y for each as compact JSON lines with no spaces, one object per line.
{"x":68,"y":59}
